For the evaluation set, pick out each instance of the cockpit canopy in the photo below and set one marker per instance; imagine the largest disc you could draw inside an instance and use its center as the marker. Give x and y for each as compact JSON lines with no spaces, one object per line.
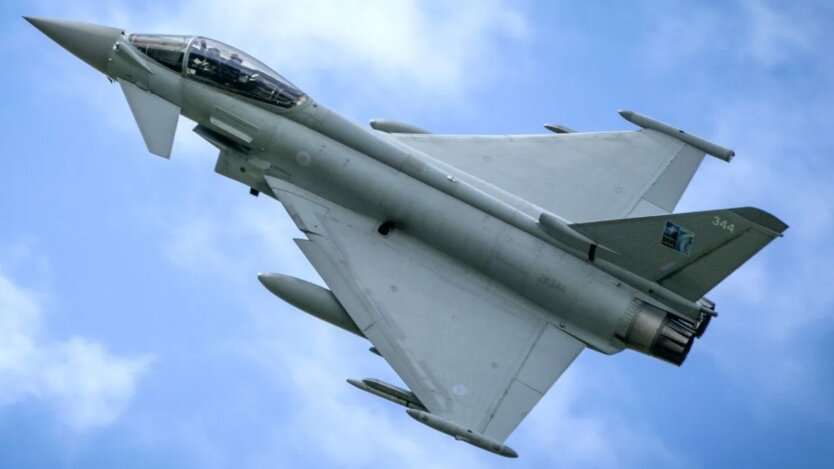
{"x":219,"y":65}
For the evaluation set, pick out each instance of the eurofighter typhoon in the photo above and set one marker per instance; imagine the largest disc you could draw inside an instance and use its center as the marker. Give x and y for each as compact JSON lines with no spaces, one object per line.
{"x":478,"y":267}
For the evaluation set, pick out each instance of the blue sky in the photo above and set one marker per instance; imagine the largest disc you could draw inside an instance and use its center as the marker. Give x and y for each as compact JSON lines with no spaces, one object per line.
{"x":133,"y":331}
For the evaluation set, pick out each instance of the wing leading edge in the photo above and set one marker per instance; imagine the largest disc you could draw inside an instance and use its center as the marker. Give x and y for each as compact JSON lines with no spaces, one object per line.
{"x":581,"y":177}
{"x":473,"y":352}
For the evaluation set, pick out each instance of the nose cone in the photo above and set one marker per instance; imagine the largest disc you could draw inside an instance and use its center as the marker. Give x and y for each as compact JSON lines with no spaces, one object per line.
{"x":89,"y":42}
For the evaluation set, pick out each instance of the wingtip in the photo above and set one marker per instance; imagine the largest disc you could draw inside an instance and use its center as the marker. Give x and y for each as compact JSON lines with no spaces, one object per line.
{"x":763,"y":218}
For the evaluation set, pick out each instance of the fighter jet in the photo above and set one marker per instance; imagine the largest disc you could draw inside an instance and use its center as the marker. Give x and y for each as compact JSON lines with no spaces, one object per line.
{"x":478,"y":267}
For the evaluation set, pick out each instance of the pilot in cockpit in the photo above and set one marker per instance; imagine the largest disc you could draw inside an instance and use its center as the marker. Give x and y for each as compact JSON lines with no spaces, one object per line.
{"x":216,"y":64}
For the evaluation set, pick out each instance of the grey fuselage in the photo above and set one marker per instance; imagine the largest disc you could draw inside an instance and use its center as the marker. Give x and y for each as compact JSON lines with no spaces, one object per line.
{"x":479,"y":225}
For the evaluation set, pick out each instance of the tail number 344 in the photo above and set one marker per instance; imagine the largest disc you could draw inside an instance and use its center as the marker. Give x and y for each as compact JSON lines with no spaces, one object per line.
{"x":723,"y":224}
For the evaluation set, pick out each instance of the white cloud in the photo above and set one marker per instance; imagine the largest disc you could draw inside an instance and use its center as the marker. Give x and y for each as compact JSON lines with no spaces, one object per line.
{"x":306,"y":358}
{"x":350,"y":428}
{"x":385,"y":50}
{"x":780,"y":302}
{"x":775,"y":35}
{"x":765,"y":33}
{"x":676,"y":35}
{"x":309,"y":360}
{"x":230,"y":238}
{"x":331,"y":423}
{"x":776,"y":309}
{"x":87,"y":386}
{"x":592,"y":436}
{"x":403,"y":57}
{"x":400,"y":48}
{"x":325,"y":421}
{"x":431,"y":46}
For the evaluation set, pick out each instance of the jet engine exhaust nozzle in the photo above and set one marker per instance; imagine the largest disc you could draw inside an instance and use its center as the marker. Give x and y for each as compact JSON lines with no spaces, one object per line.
{"x":659,"y":334}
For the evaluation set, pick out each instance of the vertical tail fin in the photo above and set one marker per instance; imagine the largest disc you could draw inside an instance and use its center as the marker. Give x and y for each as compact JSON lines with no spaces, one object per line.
{"x":687,"y":253}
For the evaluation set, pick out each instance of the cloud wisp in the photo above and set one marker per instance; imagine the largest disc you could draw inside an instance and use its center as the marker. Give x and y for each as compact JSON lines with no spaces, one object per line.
{"x":780,"y":302}
{"x":764,"y":35}
{"x":413,"y":58}
{"x":398,"y":50}
{"x":85,"y":385}
{"x":308,"y":360}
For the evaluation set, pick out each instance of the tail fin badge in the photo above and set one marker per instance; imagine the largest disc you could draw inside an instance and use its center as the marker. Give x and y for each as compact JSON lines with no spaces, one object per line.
{"x":678,"y":238}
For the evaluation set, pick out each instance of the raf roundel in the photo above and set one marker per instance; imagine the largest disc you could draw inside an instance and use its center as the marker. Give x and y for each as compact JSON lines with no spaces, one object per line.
{"x":303,"y":158}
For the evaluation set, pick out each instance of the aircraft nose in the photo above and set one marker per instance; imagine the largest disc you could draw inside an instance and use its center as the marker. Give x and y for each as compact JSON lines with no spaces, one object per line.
{"x":91,"y":43}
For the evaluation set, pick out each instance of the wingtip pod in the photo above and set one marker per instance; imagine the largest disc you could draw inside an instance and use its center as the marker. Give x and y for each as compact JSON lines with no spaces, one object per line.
{"x":462,"y":434}
{"x":702,"y":144}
